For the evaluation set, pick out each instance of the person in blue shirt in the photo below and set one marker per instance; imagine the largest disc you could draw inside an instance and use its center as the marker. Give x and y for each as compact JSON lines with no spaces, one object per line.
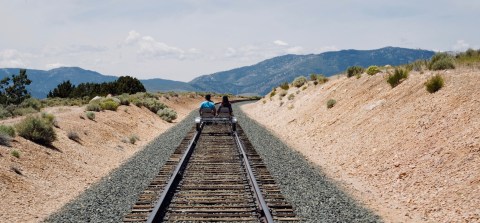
{"x":208,"y":104}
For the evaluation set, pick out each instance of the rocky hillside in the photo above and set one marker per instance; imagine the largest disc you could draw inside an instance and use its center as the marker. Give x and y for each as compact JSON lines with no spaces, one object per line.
{"x":409,"y":155}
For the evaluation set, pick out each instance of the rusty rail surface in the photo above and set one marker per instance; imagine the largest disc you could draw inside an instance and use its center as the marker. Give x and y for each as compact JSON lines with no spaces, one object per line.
{"x":209,"y":178}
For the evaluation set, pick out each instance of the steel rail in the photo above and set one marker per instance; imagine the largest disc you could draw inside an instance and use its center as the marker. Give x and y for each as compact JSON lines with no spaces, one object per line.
{"x":164,"y":200}
{"x":258,"y":193}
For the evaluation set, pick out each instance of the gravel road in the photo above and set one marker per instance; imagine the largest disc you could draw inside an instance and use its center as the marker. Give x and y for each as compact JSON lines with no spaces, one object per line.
{"x":315,"y":198}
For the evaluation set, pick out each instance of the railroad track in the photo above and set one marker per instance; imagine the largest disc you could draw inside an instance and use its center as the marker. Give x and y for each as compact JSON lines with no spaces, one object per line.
{"x":215,"y":175}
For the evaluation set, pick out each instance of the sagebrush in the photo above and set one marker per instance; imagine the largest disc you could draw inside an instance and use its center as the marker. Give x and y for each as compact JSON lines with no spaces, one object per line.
{"x":397,"y":77}
{"x":434,"y":84}
{"x":37,"y":129}
{"x":167,"y":114}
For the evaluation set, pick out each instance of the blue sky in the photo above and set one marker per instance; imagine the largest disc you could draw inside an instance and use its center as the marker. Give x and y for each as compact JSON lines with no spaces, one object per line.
{"x":183,"y":39}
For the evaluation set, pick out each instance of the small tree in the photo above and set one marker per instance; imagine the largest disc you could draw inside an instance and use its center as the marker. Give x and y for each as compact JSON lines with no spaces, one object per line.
{"x":130,"y":85}
{"x":13,"y":90}
{"x":63,"y":90}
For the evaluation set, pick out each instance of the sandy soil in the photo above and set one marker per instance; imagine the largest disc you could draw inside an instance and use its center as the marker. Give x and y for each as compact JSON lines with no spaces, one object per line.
{"x":409,"y":155}
{"x":53,"y":176}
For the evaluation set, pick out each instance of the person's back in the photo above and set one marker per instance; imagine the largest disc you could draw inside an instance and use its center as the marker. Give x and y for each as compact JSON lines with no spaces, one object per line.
{"x":208,"y":104}
{"x":225,"y":104}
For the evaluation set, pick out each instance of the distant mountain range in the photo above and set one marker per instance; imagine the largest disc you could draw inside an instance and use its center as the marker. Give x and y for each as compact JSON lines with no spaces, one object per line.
{"x":257,"y":79}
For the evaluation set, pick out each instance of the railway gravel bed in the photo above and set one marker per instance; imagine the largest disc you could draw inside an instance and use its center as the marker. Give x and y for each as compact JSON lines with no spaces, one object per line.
{"x":314,"y":196}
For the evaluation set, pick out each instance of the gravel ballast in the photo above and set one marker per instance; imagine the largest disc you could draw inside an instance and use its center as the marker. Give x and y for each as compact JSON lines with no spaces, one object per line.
{"x":112,"y":197}
{"x":314,"y":196}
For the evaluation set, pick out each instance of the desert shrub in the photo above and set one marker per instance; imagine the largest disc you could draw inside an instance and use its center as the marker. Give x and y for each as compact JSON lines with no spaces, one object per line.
{"x":372,"y":70}
{"x":291,"y":96}
{"x":313,"y":77}
{"x":124,"y":99}
{"x":93,"y":106}
{"x":468,"y":57}
{"x":331,"y":103}
{"x":282,"y":94}
{"x":5,"y":139}
{"x":36,"y":129}
{"x":133,"y":139}
{"x":49,"y":118}
{"x":273,"y":93}
{"x":153,"y":105}
{"x":4,"y":113}
{"x":284,"y":86}
{"x":434,"y":84}
{"x":441,"y":61}
{"x":109,"y":104}
{"x":90,"y":115}
{"x":19,"y":111}
{"x":7,"y":130}
{"x":354,"y":71}
{"x":397,"y":77}
{"x":31,"y":103}
{"x":15,"y":153}
{"x":167,"y":114}
{"x":417,"y":65}
{"x":321,"y":79}
{"x":73,"y":136}
{"x":299,"y":81}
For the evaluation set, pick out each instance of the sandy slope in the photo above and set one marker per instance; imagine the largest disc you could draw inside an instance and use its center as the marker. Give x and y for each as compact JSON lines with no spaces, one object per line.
{"x":409,"y":155}
{"x":52,"y":177}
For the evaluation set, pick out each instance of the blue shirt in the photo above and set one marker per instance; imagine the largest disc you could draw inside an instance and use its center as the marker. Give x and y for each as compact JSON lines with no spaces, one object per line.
{"x":207,"y":104}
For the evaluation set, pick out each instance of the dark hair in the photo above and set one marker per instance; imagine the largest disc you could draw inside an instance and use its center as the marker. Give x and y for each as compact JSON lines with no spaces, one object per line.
{"x":225,"y":100}
{"x":208,"y":97}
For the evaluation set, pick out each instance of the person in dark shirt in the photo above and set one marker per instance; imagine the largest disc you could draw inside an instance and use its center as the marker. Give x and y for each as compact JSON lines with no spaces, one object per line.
{"x":225,"y":104}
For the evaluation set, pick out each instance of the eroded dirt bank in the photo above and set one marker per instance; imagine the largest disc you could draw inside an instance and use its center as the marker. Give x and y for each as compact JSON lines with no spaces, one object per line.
{"x":409,"y":155}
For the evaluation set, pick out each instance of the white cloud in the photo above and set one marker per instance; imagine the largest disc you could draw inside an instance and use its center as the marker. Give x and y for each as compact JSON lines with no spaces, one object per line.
{"x":11,"y":58}
{"x":133,"y":36}
{"x":280,"y":43}
{"x":328,"y":48}
{"x":461,"y":45}
{"x":148,"y":47}
{"x":295,"y":50}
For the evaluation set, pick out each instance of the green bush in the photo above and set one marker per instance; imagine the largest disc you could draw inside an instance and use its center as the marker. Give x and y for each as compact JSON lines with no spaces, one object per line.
{"x":7,"y":130}
{"x":354,"y":71}
{"x":37,"y":129}
{"x":153,"y":105}
{"x":4,"y":113}
{"x":291,"y":96}
{"x":321,"y":79}
{"x":372,"y":70}
{"x":397,"y":77}
{"x":93,"y":106}
{"x":434,"y":84}
{"x":167,"y":114}
{"x":109,"y":104}
{"x":313,"y":77}
{"x":49,"y":118}
{"x":15,"y":153}
{"x":284,"y":86}
{"x":31,"y":103}
{"x":90,"y":115}
{"x":299,"y":81}
{"x":19,"y":111}
{"x":331,"y":103}
{"x":124,"y":99}
{"x":441,"y":61}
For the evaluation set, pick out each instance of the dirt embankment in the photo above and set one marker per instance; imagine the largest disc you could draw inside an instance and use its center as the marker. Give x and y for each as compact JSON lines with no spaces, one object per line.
{"x":53,"y":176}
{"x":409,"y":155}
